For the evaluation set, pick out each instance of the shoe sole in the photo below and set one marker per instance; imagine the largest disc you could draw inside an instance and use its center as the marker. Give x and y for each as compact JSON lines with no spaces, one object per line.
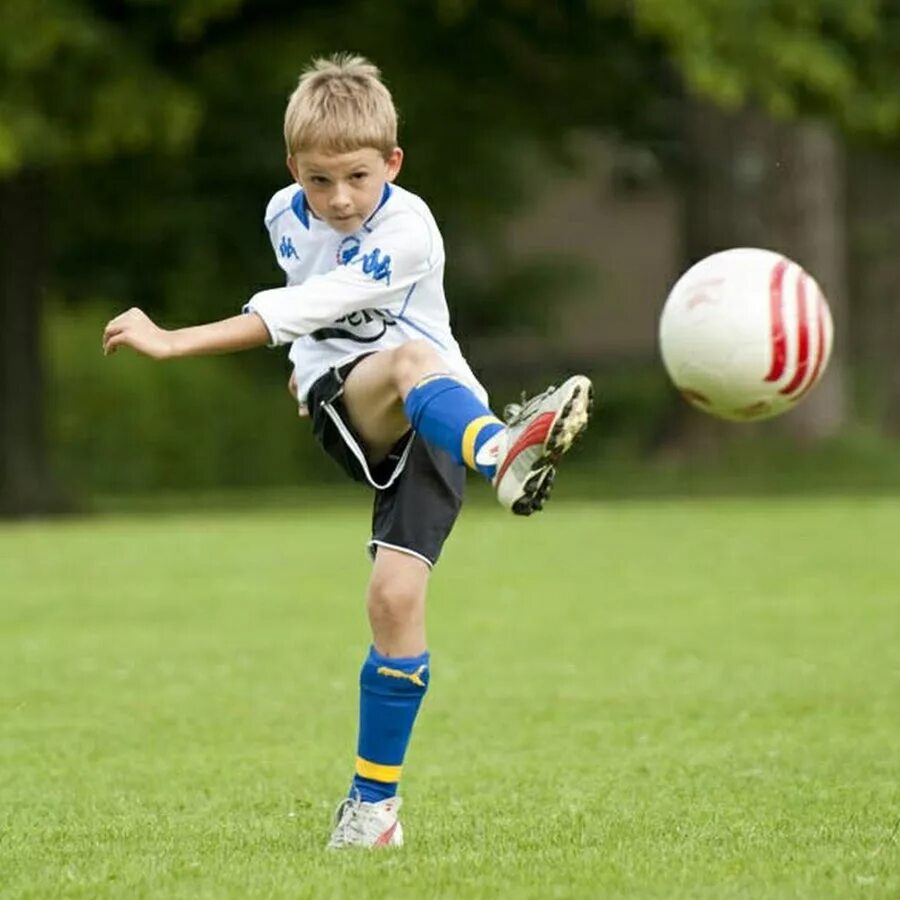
{"x":570,"y":424}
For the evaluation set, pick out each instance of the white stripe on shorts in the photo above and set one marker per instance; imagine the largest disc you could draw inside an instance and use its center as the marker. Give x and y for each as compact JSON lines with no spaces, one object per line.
{"x":356,"y":450}
{"x":377,"y":543}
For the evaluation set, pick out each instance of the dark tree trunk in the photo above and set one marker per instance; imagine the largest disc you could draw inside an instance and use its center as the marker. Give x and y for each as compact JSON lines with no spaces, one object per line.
{"x":26,"y":486}
{"x":874,"y":222}
{"x":759,"y":183}
{"x":810,"y":224}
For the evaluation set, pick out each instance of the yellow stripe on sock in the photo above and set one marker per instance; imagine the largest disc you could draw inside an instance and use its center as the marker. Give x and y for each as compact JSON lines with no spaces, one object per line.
{"x":377,"y":772}
{"x":473,"y":429}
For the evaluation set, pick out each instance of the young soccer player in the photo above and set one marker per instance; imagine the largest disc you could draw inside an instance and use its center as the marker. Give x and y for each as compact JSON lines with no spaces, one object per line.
{"x":390,"y":396}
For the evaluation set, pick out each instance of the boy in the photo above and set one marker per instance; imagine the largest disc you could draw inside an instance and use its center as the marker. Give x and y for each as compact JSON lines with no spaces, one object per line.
{"x":390,"y":395}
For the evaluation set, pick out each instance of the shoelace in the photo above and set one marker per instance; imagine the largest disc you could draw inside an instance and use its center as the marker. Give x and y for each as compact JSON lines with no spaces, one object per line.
{"x":513,"y":413}
{"x":348,"y":825}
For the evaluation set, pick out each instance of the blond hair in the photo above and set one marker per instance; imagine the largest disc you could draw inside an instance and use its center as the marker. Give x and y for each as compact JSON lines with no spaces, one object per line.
{"x":340,"y":105}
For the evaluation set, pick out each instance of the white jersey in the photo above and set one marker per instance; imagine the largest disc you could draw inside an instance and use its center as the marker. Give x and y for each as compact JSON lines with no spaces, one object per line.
{"x":348,"y":294}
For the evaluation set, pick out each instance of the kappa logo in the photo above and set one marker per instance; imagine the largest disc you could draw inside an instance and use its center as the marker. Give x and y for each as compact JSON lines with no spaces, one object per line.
{"x":377,"y":266}
{"x":414,"y":677}
{"x":286,"y":248}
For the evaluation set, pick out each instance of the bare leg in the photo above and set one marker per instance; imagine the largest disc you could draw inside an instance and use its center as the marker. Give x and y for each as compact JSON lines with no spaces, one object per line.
{"x":396,"y":603}
{"x":393,"y":681}
{"x":395,"y":674}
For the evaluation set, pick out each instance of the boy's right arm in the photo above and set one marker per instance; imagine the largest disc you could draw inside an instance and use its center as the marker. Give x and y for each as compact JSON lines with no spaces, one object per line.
{"x":137,"y":330}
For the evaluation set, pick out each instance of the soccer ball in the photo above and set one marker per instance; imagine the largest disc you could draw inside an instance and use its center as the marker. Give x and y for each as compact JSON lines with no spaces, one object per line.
{"x":745,"y":334}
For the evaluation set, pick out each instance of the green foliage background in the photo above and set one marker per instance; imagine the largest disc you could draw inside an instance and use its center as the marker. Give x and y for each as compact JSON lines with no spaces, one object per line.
{"x":156,"y":126}
{"x":195,"y":424}
{"x":138,"y":429}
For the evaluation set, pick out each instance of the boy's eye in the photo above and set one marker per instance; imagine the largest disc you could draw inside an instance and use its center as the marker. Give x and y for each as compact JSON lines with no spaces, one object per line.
{"x":319,"y":180}
{"x":359,"y":176}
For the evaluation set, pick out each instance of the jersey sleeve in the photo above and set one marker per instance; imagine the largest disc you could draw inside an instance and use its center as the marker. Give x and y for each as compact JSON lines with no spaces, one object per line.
{"x":376,"y":273}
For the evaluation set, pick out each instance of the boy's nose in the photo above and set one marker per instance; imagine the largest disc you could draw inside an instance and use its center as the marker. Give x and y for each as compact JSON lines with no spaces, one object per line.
{"x":340,"y":199}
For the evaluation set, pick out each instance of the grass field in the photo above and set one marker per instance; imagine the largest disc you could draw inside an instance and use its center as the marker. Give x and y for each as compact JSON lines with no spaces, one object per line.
{"x":638,"y":699}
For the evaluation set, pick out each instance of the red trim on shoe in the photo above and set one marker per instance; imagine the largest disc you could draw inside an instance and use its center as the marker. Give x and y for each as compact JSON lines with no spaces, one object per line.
{"x":385,"y":838}
{"x":543,"y":424}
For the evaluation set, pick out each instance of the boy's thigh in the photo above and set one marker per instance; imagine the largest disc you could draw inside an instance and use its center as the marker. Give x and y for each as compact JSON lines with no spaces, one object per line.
{"x":373,"y":404}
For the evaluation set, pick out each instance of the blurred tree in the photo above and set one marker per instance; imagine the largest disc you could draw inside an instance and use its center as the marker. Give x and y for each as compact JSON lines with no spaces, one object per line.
{"x":79,"y":82}
{"x":762,"y":156}
{"x":874,"y":224}
{"x":825,"y":58}
{"x":754,"y":181}
{"x":101,"y":101}
{"x":459,"y":76}
{"x":460,"y":70}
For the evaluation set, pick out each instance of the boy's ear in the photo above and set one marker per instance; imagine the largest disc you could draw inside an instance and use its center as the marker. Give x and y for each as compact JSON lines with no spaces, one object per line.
{"x":292,"y":166}
{"x":394,"y":162}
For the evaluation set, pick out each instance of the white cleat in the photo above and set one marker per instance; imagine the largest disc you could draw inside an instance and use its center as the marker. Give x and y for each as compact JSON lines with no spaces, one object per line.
{"x":539,"y":431}
{"x":361,"y":824}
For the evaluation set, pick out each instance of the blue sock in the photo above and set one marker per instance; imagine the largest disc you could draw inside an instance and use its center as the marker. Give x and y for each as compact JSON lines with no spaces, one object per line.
{"x":446,"y":412}
{"x":391,"y":691}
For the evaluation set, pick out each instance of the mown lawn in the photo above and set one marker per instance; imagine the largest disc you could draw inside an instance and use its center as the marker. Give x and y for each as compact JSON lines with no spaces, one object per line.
{"x":632,"y":699}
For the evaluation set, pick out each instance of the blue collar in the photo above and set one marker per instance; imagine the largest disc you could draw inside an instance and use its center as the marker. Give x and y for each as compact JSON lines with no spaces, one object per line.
{"x":301,"y":208}
{"x":385,"y":196}
{"x":302,"y":211}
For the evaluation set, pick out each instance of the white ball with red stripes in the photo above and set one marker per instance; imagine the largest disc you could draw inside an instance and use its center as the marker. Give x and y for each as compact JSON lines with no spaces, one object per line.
{"x":745,"y":334}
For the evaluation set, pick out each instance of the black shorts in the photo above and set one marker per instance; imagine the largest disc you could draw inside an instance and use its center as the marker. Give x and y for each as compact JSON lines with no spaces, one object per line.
{"x":418,"y":487}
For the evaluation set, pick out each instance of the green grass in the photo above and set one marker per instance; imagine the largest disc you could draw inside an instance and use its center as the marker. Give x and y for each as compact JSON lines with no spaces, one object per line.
{"x":642,"y":699}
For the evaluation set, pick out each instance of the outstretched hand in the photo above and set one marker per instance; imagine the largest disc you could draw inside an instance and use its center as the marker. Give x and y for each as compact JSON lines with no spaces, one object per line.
{"x":137,"y":330}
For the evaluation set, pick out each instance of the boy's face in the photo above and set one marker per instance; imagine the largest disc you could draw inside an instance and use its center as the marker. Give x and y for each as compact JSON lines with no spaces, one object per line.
{"x":343,"y":189}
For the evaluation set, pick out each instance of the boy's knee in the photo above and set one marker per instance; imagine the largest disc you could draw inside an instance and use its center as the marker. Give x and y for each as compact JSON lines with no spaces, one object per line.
{"x":412,"y":361}
{"x":395,"y":600}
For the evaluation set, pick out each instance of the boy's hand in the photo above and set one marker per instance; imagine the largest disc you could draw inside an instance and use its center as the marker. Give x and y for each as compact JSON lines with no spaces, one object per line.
{"x":302,"y":409}
{"x":137,"y":330}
